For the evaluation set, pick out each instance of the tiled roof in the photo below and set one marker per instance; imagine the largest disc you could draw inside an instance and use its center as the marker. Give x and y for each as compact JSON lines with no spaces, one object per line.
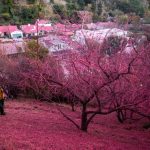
{"x":29,"y":28}
{"x":34,"y":28}
{"x":8,"y":29}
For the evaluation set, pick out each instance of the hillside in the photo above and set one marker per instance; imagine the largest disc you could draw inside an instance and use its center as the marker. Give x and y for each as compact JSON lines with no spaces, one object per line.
{"x":31,"y":125}
{"x":27,"y":11}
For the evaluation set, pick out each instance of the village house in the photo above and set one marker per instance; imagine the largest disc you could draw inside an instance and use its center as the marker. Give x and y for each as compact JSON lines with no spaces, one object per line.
{"x":75,"y":27}
{"x":66,"y":30}
{"x":33,"y":30}
{"x":1,"y":32}
{"x":11,"y":47}
{"x":10,"y":32}
{"x":56,"y":43}
{"x":43,"y":23}
{"x":44,"y":30}
{"x":58,"y":28}
{"x":29,"y":30}
{"x":41,"y":27}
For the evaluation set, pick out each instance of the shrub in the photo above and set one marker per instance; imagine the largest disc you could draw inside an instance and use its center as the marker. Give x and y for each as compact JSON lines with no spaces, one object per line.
{"x":135,"y":20}
{"x":35,"y":50}
{"x":29,"y":14}
{"x":147,"y":17}
{"x":116,"y":13}
{"x":6,"y":16}
{"x":59,"y":9}
{"x":112,"y":45}
{"x":98,"y":18}
{"x":31,"y":1}
{"x":122,"y":19}
{"x":132,"y":6}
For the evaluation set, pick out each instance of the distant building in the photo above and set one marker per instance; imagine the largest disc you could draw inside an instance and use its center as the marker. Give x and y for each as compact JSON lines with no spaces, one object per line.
{"x":11,"y":46}
{"x":58,"y":44}
{"x":46,"y":1}
{"x":16,"y":34}
{"x":98,"y":35}
{"x":29,"y":30}
{"x":1,"y":32}
{"x":66,"y":30}
{"x":41,"y":27}
{"x":59,"y":27}
{"x":44,"y":30}
{"x":43,"y":23}
{"x":11,"y":32}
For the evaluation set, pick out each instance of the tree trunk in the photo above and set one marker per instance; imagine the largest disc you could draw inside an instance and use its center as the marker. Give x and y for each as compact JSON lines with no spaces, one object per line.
{"x":120,"y":116}
{"x":73,"y":106}
{"x":84,"y":124}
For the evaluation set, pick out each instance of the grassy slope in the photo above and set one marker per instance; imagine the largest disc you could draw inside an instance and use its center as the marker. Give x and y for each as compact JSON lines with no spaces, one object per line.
{"x":34,"y":125}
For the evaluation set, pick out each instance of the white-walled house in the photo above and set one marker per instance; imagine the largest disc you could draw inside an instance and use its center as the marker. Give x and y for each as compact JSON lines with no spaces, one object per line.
{"x":1,"y":34}
{"x":1,"y":31}
{"x":10,"y":31}
{"x":16,"y":34}
{"x":43,"y":23}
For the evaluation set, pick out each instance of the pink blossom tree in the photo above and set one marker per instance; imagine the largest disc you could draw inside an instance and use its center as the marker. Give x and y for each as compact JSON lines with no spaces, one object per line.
{"x":99,"y":84}
{"x":105,"y":82}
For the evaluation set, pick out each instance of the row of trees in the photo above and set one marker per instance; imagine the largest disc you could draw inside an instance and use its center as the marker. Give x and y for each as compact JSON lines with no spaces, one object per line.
{"x":100,"y":84}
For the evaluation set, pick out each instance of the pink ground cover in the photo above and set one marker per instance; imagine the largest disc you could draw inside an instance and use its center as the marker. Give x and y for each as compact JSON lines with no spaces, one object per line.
{"x":34,"y":125}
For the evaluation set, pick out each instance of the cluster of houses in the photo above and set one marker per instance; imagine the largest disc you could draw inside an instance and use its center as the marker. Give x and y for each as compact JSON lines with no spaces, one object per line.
{"x":40,"y":28}
{"x":56,"y":38}
{"x":52,"y":36}
{"x":10,"y":32}
{"x":44,"y":27}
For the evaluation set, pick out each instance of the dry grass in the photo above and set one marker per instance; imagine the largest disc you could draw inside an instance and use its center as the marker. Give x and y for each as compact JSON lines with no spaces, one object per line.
{"x":34,"y":125}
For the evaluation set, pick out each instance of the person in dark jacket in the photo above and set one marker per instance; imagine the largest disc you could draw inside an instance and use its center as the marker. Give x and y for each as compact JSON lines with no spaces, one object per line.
{"x":2,"y":99}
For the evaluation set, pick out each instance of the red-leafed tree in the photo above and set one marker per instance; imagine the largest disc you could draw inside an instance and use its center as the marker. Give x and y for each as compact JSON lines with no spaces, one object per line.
{"x":111,"y":83}
{"x":116,"y":83}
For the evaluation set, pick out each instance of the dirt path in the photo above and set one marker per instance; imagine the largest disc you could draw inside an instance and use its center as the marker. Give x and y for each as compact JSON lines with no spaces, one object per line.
{"x":33,"y":125}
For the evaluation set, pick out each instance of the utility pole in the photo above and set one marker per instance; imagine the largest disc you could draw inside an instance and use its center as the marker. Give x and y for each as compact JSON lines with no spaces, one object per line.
{"x":37,"y":36}
{"x":37,"y":28}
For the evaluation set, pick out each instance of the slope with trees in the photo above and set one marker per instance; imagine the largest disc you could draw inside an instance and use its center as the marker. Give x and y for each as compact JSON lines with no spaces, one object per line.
{"x":98,"y":84}
{"x":27,"y":11}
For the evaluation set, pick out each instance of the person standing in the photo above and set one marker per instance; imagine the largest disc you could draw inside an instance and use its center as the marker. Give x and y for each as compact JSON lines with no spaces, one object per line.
{"x":2,"y":98}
